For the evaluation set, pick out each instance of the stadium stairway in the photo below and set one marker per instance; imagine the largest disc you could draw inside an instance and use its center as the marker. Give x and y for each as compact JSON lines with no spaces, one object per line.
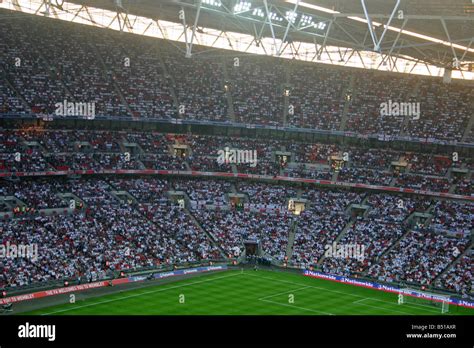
{"x":406,"y":222}
{"x":19,"y":95}
{"x":347,"y":103}
{"x":292,"y":232}
{"x":186,"y":211}
{"x":113,"y":188}
{"x":386,"y":251}
{"x":69,"y":195}
{"x":66,"y":88}
{"x":124,"y":147}
{"x":339,"y":237}
{"x":228,"y":93}
{"x":393,"y":182}
{"x":54,"y":73}
{"x":430,"y":211}
{"x":452,"y":188}
{"x":13,"y":201}
{"x":468,"y":129}
{"x":364,"y":201}
{"x":209,"y":235}
{"x":406,"y":120}
{"x":291,"y":240}
{"x":110,"y":80}
{"x":452,"y":264}
{"x":286,"y":98}
{"x":31,"y":145}
{"x":10,"y":202}
{"x":188,"y":167}
{"x":170,"y":76}
{"x":122,"y":195}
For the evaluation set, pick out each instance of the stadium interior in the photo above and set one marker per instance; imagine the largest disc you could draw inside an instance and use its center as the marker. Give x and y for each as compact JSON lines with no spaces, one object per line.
{"x":135,"y":184}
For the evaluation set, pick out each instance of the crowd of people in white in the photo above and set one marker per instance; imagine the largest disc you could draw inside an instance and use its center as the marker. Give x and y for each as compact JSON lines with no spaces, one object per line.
{"x":52,"y":150}
{"x":418,"y":258}
{"x":126,"y":75}
{"x":110,"y":234}
{"x":134,"y":76}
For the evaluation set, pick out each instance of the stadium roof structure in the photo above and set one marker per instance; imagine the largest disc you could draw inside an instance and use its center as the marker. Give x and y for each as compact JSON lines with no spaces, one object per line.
{"x":431,"y":37}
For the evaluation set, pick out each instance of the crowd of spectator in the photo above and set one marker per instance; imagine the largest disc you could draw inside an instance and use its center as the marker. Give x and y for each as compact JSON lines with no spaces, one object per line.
{"x":459,"y":278}
{"x":257,"y":89}
{"x":317,"y":98}
{"x":303,"y":171}
{"x":204,"y":191}
{"x":427,"y":164}
{"x":110,"y":233}
{"x":38,"y":149}
{"x":375,"y":237}
{"x":316,"y":228}
{"x":369,"y":176}
{"x":141,"y":77}
{"x":422,"y":182}
{"x":145,"y":190}
{"x":371,"y":90}
{"x":46,"y":62}
{"x":232,"y":228}
{"x":35,"y":194}
{"x":454,"y":216}
{"x":191,"y":243}
{"x":418,"y":258}
{"x":268,"y":195}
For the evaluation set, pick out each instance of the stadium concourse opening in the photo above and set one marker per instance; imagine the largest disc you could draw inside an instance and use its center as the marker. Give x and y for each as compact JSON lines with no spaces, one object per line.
{"x":143,"y":173}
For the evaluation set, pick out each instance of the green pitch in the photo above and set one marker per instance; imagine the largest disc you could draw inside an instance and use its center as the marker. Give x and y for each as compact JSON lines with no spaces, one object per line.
{"x":248,"y":293}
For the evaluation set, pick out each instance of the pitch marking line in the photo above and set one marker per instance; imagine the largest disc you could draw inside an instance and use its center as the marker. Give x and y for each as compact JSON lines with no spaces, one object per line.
{"x":141,"y":294}
{"x":293,"y":306}
{"x":329,"y":290}
{"x":310,"y":286}
{"x":432,"y":310}
{"x":423,"y":307}
{"x":282,"y":293}
{"x":359,"y":302}
{"x":264,"y":299}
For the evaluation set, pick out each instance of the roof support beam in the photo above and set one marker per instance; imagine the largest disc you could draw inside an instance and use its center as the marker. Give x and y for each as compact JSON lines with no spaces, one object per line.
{"x":287,"y":28}
{"x":396,"y":39}
{"x":348,"y":34}
{"x":456,"y":62}
{"x":185,"y":28}
{"x":465,"y":51}
{"x":268,"y":18}
{"x":320,"y":52}
{"x":189,"y":48}
{"x":422,"y":17}
{"x":377,"y":42}
{"x":373,"y":34}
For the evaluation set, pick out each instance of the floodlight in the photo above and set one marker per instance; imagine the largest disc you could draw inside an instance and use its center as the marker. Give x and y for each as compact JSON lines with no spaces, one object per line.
{"x":242,"y":6}
{"x":258,"y":12}
{"x":291,"y":16}
{"x":216,"y":3}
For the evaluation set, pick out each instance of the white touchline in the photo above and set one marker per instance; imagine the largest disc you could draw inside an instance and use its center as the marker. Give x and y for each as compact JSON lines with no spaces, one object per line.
{"x":141,"y":294}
